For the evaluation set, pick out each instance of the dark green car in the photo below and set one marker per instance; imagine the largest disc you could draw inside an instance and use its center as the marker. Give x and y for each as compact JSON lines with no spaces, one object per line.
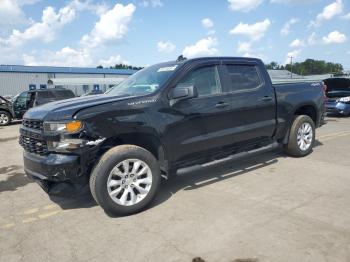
{"x":16,"y":108}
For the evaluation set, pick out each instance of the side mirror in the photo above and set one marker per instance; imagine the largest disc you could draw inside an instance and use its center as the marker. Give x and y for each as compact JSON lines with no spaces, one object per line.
{"x":185,"y":92}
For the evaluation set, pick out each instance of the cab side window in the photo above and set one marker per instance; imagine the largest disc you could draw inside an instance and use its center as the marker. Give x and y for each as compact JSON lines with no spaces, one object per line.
{"x":205,"y":79}
{"x":243,"y":77}
{"x":22,"y":99}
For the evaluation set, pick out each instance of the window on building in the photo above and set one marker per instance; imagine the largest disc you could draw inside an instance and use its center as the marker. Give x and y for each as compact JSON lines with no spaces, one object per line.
{"x":85,"y":88}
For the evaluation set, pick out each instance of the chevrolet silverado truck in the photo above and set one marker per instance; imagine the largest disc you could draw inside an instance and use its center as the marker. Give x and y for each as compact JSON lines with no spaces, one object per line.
{"x":161,"y":120}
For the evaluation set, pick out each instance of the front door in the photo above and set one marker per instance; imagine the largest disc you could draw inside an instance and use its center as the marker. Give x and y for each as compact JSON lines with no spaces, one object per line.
{"x":205,"y":120}
{"x":20,"y":104}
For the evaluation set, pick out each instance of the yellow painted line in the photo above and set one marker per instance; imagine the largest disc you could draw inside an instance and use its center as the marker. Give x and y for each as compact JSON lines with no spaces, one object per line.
{"x":333,"y":134}
{"x":48,"y":207}
{"x":31,"y":211}
{"x":29,"y":220}
{"x":49,"y":214}
{"x":9,"y":225}
{"x":330,"y":138}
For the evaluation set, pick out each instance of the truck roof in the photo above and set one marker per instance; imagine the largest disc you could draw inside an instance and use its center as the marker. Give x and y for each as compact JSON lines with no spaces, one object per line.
{"x":214,"y":58}
{"x":49,"y":90}
{"x":234,"y":58}
{"x":198,"y":59}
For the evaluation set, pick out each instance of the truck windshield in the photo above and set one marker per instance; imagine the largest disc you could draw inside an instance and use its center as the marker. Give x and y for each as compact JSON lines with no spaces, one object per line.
{"x":145,"y":81}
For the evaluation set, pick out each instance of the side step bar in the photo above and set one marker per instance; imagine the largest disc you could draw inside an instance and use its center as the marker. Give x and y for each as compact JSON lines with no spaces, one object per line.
{"x":237,"y":156}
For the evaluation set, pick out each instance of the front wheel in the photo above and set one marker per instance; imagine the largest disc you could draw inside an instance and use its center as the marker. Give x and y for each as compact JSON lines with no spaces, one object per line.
{"x":301,"y":137}
{"x":125,"y":180}
{"x":5,"y":118}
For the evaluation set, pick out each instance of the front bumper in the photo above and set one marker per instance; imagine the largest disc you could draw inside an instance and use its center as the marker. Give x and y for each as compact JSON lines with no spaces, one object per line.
{"x":53,"y":167}
{"x":53,"y":171}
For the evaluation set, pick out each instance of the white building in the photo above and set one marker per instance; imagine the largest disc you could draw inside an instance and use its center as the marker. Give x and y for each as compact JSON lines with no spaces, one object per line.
{"x":15,"y":78}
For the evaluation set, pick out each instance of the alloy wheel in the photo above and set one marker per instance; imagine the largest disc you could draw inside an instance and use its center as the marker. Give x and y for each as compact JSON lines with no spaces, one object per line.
{"x":129,"y":182}
{"x":4,"y":119}
{"x":305,"y":136}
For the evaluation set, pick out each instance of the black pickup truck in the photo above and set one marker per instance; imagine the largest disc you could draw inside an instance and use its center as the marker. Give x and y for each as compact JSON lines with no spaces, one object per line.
{"x":162,"y":119}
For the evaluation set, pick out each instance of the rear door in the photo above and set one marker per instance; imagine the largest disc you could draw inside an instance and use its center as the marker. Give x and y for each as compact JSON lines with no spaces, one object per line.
{"x":253,"y":113}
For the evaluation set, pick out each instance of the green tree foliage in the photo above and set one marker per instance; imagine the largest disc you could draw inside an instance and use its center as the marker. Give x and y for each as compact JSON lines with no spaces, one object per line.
{"x":309,"y":67}
{"x":123,"y":66}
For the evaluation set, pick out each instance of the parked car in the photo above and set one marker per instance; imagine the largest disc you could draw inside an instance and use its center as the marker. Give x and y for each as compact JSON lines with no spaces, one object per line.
{"x":338,"y":94}
{"x":6,"y":111}
{"x":162,"y":119}
{"x":16,"y":108}
{"x":93,"y":92}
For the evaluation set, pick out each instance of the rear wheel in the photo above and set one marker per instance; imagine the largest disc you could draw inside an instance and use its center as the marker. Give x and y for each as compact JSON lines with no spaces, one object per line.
{"x":301,"y":137}
{"x":5,"y":118}
{"x":125,"y":180}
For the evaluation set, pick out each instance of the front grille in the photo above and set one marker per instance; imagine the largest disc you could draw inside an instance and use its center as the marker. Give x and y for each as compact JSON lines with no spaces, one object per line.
{"x":33,"y":145}
{"x":31,"y":137}
{"x":33,"y":124}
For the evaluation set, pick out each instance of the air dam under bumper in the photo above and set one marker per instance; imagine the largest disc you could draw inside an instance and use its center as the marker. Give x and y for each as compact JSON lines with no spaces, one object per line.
{"x":51,"y":170}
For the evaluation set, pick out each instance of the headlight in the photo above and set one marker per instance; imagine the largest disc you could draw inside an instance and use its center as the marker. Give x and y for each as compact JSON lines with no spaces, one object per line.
{"x":63,"y":127}
{"x":344,"y":99}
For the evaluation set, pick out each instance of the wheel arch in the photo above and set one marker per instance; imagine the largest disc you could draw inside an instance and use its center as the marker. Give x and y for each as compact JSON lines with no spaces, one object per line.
{"x":147,"y":141}
{"x":303,"y":109}
{"x":308,"y":110}
{"x":7,"y":111}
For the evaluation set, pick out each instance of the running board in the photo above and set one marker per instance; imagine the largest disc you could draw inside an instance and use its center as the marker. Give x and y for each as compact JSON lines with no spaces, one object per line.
{"x":237,"y":156}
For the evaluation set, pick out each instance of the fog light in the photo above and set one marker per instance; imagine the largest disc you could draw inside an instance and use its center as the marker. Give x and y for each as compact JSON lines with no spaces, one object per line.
{"x":66,"y":144}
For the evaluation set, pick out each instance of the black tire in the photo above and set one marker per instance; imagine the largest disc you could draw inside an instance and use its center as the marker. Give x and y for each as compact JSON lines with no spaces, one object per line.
{"x":100,"y":174}
{"x":292,"y":148}
{"x":2,"y":119}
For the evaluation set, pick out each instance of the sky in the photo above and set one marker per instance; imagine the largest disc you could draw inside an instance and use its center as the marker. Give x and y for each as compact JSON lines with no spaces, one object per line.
{"x":89,"y":33}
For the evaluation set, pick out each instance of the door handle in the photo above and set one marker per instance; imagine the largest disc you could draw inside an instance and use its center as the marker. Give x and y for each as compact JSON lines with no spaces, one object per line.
{"x":266,"y":98}
{"x":221,"y":105}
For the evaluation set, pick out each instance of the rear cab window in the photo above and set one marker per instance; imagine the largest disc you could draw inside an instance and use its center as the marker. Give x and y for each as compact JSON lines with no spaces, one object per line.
{"x":242,"y":78}
{"x":63,"y":94}
{"x":55,"y":94}
{"x":45,"y":95}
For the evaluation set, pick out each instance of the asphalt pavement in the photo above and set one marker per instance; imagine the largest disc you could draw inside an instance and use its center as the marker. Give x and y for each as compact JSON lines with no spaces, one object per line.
{"x":267,"y":208}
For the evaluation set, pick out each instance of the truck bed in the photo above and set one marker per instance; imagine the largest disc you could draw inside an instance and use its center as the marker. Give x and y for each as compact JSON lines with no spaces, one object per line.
{"x":277,"y":81}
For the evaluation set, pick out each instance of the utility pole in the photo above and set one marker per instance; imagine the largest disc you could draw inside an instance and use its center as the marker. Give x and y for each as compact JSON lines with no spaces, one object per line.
{"x":291,"y":66}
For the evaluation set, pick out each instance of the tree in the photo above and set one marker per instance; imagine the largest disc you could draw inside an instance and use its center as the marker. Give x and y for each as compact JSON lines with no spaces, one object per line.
{"x":310,"y":67}
{"x":272,"y":66}
{"x":123,"y":66}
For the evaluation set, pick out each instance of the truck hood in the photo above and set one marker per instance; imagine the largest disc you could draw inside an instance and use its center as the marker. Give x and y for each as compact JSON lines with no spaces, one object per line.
{"x":3,"y":100}
{"x":66,"y":109}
